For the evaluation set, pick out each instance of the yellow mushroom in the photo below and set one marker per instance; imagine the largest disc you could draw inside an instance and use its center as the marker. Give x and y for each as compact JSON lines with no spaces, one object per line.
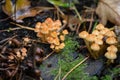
{"x":83,"y":34}
{"x":53,"y":34}
{"x":99,"y":41}
{"x":91,"y":38}
{"x":111,"y":40}
{"x":112,"y":48}
{"x":37,"y":27}
{"x":62,"y":37}
{"x":103,"y":31}
{"x":111,"y":56}
{"x":62,"y":45}
{"x":110,"y":34}
{"x":100,"y":27}
{"x":100,"y":36}
{"x":95,"y":32}
{"x":95,"y":47}
{"x":65,"y":32}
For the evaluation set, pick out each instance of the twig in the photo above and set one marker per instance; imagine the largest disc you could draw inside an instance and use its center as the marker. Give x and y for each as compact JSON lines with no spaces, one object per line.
{"x":74,"y":68}
{"x":9,"y":40}
{"x":10,"y":29}
{"x":21,"y":26}
{"x":80,"y":18}
{"x":90,"y":26}
{"x":48,"y":55}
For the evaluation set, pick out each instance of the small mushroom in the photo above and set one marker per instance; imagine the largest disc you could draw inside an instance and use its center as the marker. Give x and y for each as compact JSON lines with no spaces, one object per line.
{"x":49,"y":21}
{"x":50,"y":40}
{"x":44,"y":30}
{"x":95,"y":32}
{"x":65,"y":32}
{"x":56,"y":41}
{"x":11,"y":57}
{"x":40,"y":35}
{"x":112,"y":48}
{"x":37,"y":27}
{"x":103,"y":31}
{"x":111,"y":40}
{"x":100,"y":27}
{"x":99,"y":41}
{"x":95,"y":47}
{"x":91,"y":38}
{"x":62,"y":45}
{"x":24,"y":50}
{"x":62,"y":37}
{"x":110,"y":34}
{"x":83,"y":34}
{"x":111,"y":56}
{"x":53,"y":34}
{"x":100,"y":36}
{"x":18,"y":54}
{"x":57,"y":23}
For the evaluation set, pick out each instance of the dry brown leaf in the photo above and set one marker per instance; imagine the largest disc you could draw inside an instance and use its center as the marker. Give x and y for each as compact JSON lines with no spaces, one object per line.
{"x":109,"y":10}
{"x":21,"y":9}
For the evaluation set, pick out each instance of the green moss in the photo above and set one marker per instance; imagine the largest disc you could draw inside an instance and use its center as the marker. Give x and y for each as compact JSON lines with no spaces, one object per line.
{"x":113,"y":72}
{"x":67,"y":62}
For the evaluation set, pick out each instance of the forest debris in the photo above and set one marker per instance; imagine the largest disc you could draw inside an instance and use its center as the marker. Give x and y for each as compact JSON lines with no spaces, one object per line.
{"x":21,"y":9}
{"x":108,"y":10}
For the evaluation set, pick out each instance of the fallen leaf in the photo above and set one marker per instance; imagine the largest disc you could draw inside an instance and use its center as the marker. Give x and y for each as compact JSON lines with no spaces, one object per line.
{"x":109,"y":10}
{"x":21,"y":9}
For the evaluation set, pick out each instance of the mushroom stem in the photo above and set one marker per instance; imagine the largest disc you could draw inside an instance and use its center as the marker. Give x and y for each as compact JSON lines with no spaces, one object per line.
{"x":89,"y":49}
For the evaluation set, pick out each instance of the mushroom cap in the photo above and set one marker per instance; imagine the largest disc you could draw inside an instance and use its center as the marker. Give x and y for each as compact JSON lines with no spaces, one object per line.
{"x":111,"y":40}
{"x":44,"y":30}
{"x":18,"y":54}
{"x":99,"y":41}
{"x":95,"y":32}
{"x":56,"y":41}
{"x":110,"y":55}
{"x":52,"y":28}
{"x":49,"y":21}
{"x":100,"y":26}
{"x":83,"y":34}
{"x":100,"y":36}
{"x":103,"y":31}
{"x":65,"y":31}
{"x":56,"y":47}
{"x":53,"y":34}
{"x":112,"y":48}
{"x":38,"y":24}
{"x":24,"y":54}
{"x":95,"y":47}
{"x":43,"y":25}
{"x":91,"y":37}
{"x":11,"y":57}
{"x":23,"y":50}
{"x":50,"y":40}
{"x":57,"y":23}
{"x":62,"y":45}
{"x":37,"y":27}
{"x":40,"y":35}
{"x":62,"y":37}
{"x":110,"y":34}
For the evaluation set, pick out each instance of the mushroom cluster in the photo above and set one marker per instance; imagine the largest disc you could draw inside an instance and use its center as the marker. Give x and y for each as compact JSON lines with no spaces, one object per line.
{"x":48,"y":32}
{"x":20,"y":54}
{"x":99,"y":40}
